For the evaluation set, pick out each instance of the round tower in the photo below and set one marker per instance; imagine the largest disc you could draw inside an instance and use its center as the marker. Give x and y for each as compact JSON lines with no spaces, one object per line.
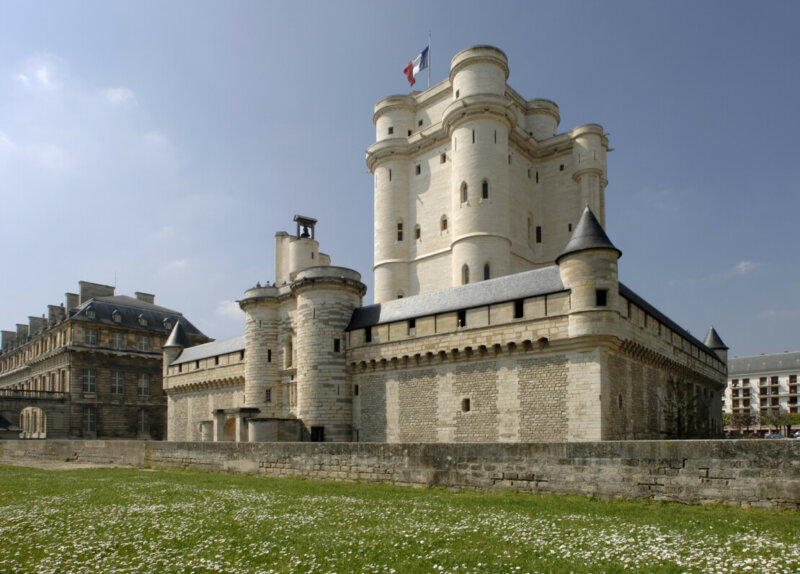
{"x":388,"y":160}
{"x":479,"y":122}
{"x":588,"y":268}
{"x":589,"y":158}
{"x":326,"y":298}
{"x":543,"y":118}
{"x":176,"y":343}
{"x":260,"y":305}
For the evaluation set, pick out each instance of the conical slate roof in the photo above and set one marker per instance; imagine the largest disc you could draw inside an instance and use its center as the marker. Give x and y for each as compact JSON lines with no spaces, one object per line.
{"x":588,"y":234}
{"x":178,"y":337}
{"x":713,"y":340}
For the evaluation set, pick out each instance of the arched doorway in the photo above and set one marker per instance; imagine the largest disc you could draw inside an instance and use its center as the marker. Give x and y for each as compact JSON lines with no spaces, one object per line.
{"x":33,"y":422}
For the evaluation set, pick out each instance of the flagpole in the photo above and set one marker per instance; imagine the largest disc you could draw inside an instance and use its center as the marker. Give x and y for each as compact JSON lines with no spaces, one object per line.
{"x":429,"y":59}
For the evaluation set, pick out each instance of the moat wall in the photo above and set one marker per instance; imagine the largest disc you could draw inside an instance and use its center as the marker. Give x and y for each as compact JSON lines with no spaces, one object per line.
{"x":762,"y":473}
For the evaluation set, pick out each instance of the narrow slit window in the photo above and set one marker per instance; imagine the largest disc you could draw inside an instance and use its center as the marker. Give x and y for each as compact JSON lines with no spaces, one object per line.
{"x":391,"y":130}
{"x":537,"y":177}
{"x":464,"y":192}
{"x":443,"y":158}
{"x":443,"y":224}
{"x":269,"y":355}
{"x":337,"y":345}
{"x":487,"y":272}
{"x":412,"y":327}
{"x":368,"y":335}
{"x":418,"y":169}
{"x":465,"y":275}
{"x":601,"y":297}
{"x":473,"y":136}
{"x":399,"y":230}
{"x":465,"y":405}
{"x":462,"y":318}
{"x":485,"y":190}
{"x":417,"y":232}
{"x":538,"y":234}
{"x":519,"y":309}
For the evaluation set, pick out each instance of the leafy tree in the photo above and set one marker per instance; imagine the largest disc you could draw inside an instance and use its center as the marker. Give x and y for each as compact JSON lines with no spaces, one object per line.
{"x":776,"y":418}
{"x":742,"y":421}
{"x":726,"y":420}
{"x":794,"y":420}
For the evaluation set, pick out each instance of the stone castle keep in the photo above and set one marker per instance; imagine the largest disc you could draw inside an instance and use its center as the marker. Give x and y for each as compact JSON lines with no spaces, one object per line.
{"x":498,"y":317}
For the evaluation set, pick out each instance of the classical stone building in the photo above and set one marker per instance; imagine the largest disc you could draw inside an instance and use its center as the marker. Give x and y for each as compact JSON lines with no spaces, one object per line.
{"x":499,"y":314}
{"x":90,"y":368}
{"x":763,"y":384}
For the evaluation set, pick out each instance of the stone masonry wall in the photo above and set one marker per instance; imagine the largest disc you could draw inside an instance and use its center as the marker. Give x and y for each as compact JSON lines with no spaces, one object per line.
{"x":761,"y":473}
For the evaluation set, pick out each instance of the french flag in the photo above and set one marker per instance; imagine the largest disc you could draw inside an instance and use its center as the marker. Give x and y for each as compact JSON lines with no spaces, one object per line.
{"x":416,"y":65}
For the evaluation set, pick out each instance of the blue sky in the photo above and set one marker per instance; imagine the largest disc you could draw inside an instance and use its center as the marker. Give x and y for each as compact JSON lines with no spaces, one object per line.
{"x":162,"y":145}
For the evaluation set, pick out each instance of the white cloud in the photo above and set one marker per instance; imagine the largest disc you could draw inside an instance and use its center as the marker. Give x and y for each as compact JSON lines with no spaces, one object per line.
{"x":743,"y":267}
{"x":23,"y":79}
{"x":229,"y":309}
{"x":43,"y":76}
{"x":120,"y":96}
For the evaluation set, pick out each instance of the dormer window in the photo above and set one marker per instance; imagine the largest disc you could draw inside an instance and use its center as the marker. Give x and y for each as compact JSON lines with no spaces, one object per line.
{"x":142,"y":320}
{"x":90,"y":313}
{"x":116,"y":316}
{"x":167,"y":323}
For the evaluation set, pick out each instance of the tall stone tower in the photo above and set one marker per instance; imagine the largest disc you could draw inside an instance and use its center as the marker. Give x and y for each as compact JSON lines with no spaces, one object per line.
{"x":295,"y":337}
{"x":473,"y":182}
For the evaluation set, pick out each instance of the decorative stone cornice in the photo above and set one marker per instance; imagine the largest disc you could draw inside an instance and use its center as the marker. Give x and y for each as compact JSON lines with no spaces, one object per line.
{"x":476,"y":106}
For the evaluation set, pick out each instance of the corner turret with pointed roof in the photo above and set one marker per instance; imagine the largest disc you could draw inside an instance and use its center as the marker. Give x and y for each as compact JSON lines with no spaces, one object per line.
{"x":172,"y":349}
{"x":178,"y":337}
{"x":714,"y":342}
{"x":588,"y":234}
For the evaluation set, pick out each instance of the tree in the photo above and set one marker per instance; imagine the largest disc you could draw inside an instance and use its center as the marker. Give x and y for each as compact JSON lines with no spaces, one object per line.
{"x":685,"y":411}
{"x":777,"y":418}
{"x":742,"y":421}
{"x":726,"y":420}
{"x":794,"y":420}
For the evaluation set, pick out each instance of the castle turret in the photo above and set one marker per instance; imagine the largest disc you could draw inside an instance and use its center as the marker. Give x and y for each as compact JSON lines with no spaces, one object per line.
{"x":479,"y":122}
{"x":393,"y":119}
{"x":326,"y":298}
{"x":589,"y":159}
{"x":714,"y":342}
{"x":588,"y":266}
{"x":260,"y":305}
{"x":176,"y":343}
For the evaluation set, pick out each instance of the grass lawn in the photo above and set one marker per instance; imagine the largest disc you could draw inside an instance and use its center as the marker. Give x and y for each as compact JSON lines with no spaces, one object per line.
{"x":118,"y":520}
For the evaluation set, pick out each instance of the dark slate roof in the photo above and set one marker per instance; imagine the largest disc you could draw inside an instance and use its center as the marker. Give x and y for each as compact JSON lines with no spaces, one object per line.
{"x":764,"y":364}
{"x":588,"y":234}
{"x":507,"y":288}
{"x":213,"y":349}
{"x":713,"y":340}
{"x":663,"y":319}
{"x":178,"y":337}
{"x":130,"y":308}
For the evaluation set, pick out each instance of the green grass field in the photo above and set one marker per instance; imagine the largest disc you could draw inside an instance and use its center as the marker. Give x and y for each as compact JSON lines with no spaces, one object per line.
{"x":117,"y":520}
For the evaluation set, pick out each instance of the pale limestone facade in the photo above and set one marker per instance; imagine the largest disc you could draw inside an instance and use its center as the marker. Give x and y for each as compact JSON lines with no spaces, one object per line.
{"x":547,"y":345}
{"x":472,"y":179}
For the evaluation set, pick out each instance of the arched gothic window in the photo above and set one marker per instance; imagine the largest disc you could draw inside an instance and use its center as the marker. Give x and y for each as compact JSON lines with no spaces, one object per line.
{"x":465,"y":275}
{"x":485,"y":190}
{"x":464,"y":192}
{"x":487,"y":272}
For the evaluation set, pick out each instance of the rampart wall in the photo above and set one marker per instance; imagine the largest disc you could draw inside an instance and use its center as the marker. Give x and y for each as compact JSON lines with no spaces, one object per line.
{"x":760,"y":473}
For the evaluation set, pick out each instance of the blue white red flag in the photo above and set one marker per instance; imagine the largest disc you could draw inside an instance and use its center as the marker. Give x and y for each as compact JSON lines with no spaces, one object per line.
{"x":416,"y":65}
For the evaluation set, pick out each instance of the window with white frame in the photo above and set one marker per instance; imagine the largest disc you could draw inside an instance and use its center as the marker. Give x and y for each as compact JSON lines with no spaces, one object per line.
{"x":116,"y":340}
{"x":90,"y":336}
{"x":89,"y":381}
{"x":144,"y":343}
{"x":143,"y":388}
{"x":117,"y":383}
